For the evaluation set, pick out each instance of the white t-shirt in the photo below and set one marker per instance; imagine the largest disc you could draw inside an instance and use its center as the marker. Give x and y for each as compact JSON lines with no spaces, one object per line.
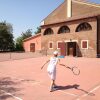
{"x":52,"y":64}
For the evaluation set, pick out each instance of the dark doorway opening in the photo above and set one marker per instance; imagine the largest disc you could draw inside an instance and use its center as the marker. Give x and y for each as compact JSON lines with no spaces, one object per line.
{"x":71,"y":48}
{"x":68,"y":48}
{"x":32,"y":47}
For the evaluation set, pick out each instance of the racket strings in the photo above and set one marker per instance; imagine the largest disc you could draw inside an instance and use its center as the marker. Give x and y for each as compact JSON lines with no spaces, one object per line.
{"x":76,"y":71}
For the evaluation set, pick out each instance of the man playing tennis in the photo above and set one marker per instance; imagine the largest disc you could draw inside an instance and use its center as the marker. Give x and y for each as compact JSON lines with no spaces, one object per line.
{"x":51,"y":69}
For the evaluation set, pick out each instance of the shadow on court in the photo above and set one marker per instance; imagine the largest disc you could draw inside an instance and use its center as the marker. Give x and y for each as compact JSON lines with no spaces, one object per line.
{"x":75,"y":86}
{"x":24,"y":79}
{"x":7,"y":87}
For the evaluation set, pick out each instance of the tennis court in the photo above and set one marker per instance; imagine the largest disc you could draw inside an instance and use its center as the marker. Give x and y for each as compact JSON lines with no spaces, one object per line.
{"x":24,"y":80}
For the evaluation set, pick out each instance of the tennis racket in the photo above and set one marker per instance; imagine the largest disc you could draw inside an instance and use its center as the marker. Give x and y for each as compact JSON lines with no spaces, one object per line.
{"x":75,"y":70}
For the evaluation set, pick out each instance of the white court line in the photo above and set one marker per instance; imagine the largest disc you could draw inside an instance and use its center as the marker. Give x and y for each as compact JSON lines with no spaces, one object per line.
{"x":17,"y":98}
{"x":38,"y":83}
{"x":94,"y":89}
{"x":91,"y":91}
{"x":68,"y":93}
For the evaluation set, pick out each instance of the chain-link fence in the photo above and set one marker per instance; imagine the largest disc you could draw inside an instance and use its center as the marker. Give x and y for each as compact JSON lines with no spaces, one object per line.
{"x":18,"y":55}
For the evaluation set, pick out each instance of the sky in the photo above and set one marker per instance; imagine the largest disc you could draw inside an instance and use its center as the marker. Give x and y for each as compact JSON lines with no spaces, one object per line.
{"x":27,"y":14}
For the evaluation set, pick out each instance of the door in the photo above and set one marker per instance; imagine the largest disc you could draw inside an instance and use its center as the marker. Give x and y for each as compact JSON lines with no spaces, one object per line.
{"x":62,"y":46}
{"x":71,"y":48}
{"x":32,"y":47}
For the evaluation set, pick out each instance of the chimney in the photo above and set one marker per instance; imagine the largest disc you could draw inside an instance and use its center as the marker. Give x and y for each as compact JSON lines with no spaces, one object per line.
{"x":69,"y":8}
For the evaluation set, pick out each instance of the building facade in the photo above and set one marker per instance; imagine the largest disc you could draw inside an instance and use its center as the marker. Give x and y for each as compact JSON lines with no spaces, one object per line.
{"x":32,"y":44}
{"x":73,"y":29}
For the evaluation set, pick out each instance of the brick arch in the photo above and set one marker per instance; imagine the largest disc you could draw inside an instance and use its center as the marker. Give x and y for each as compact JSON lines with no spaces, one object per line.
{"x":64,"y":29}
{"x":48,"y":31}
{"x":85,"y":26}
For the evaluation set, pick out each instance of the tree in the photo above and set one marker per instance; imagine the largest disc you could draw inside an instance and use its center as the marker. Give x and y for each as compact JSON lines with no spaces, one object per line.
{"x":19,"y":40}
{"x":19,"y":44}
{"x":26,"y":34}
{"x":6,"y":37}
{"x":38,"y":30}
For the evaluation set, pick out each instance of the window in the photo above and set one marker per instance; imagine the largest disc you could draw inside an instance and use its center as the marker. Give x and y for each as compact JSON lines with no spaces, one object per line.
{"x":59,"y":44}
{"x":84,"y":44}
{"x":48,"y":31}
{"x":83,"y":27}
{"x":50,"y":45}
{"x":64,"y":29}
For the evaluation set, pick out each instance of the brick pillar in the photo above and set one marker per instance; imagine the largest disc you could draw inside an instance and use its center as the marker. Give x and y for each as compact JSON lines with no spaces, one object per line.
{"x":69,"y":8}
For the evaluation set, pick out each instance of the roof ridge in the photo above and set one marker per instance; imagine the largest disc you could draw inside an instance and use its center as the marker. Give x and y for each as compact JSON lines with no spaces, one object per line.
{"x":87,"y":3}
{"x":53,"y":10}
{"x":32,"y":36}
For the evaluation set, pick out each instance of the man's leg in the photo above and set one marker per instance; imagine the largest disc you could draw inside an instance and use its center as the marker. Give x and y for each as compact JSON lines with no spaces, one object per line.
{"x":52,"y":85}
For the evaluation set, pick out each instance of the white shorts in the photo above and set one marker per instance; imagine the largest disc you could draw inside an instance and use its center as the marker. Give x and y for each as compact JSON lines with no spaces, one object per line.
{"x":52,"y":75}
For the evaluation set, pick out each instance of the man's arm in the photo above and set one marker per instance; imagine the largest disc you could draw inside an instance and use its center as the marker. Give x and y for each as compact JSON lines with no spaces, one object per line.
{"x":45,"y":64}
{"x":64,"y":65}
{"x":59,"y":61}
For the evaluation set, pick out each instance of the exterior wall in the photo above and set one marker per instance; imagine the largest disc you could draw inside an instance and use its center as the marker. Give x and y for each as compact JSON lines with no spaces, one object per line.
{"x":98,"y":37}
{"x":57,"y":14}
{"x":79,"y":9}
{"x":91,"y":36}
{"x":83,"y":9}
{"x":36,"y":40}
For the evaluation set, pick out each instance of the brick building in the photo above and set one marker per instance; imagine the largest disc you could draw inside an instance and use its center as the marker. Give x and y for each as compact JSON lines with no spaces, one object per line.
{"x":73,"y":28}
{"x":32,"y":44}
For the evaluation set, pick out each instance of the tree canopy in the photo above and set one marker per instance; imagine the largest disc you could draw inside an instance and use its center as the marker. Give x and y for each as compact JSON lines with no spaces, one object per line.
{"x":19,"y":40}
{"x":26,"y":34}
{"x":38,"y":30}
{"x":6,"y":37}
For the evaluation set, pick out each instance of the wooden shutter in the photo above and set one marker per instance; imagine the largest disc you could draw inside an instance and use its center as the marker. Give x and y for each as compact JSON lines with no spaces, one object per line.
{"x":84,"y":44}
{"x":50,"y":45}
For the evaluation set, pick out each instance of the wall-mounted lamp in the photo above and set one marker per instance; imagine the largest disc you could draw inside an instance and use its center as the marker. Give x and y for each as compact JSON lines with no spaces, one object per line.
{"x":70,"y":40}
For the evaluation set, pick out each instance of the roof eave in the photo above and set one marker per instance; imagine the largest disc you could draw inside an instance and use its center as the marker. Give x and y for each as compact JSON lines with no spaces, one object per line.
{"x":31,"y":37}
{"x":72,"y":19}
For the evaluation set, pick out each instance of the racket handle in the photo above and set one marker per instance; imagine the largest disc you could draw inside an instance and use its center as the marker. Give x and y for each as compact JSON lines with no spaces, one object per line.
{"x":41,"y":67}
{"x":67,"y":67}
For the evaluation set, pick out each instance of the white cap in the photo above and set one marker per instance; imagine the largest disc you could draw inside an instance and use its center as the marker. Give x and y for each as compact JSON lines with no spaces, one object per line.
{"x":55,"y":52}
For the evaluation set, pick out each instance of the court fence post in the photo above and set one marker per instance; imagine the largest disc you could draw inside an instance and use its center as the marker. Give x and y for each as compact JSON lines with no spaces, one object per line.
{"x":10,"y":55}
